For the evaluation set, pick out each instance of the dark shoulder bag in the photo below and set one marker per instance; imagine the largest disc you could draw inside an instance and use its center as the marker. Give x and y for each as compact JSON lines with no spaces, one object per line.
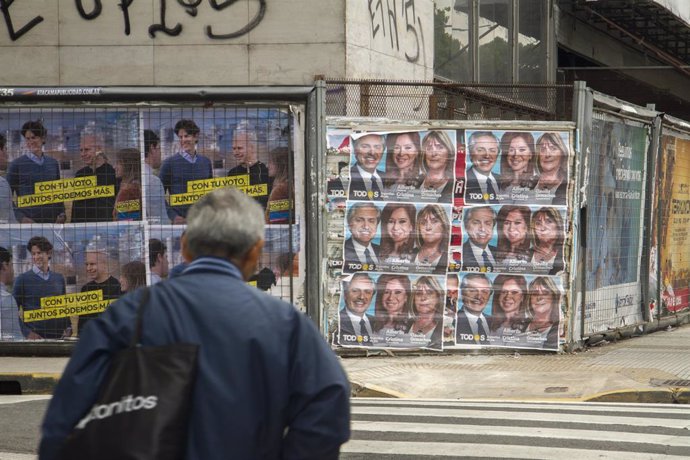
{"x":143,"y":405}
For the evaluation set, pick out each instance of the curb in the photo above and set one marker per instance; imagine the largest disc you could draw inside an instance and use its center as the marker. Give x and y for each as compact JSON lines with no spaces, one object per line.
{"x":661,"y":396}
{"x":368,"y":390}
{"x":31,"y":383}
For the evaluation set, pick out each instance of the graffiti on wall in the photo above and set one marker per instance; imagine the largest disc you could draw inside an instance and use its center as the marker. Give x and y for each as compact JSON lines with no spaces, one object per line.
{"x":92,"y":10}
{"x":400,"y":23}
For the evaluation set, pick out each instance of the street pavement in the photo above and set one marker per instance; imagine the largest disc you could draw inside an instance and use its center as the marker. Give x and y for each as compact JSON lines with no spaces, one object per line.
{"x":400,"y":429}
{"x":397,"y":429}
{"x":541,"y":403}
{"x":649,"y":368}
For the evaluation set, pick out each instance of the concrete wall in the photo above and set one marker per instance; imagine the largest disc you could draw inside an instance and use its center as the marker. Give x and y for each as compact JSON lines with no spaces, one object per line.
{"x":293,"y":41}
{"x":50,"y":42}
{"x":390,"y":39}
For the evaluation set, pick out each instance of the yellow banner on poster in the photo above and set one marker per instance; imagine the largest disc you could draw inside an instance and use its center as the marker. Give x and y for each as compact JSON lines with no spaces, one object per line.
{"x":64,"y":312}
{"x":61,"y":185}
{"x":219,"y":182}
{"x":71,"y":299}
{"x":57,"y":191}
{"x":182,"y":199}
{"x":255,"y":190}
{"x":279,"y":205}
{"x":128,"y":206}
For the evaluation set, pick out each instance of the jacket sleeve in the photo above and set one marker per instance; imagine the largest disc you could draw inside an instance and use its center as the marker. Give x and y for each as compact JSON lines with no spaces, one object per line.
{"x":319,"y":409}
{"x":81,"y":380}
{"x":13,"y":180}
{"x":18,"y":294}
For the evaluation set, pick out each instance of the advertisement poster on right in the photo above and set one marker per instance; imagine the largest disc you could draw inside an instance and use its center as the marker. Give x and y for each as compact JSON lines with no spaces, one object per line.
{"x":675,"y":221}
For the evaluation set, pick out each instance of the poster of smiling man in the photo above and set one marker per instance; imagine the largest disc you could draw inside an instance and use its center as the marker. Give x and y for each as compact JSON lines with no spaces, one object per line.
{"x":517,"y":167}
{"x":392,"y":311}
{"x":413,"y":166}
{"x":194,"y":151}
{"x":62,"y":163}
{"x":514,"y":311}
{"x":67,"y":275}
{"x":397,"y":237}
{"x":514,"y":239}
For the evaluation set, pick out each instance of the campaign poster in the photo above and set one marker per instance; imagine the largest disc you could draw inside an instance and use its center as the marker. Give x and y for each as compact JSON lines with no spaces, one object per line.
{"x":191,"y":151}
{"x":517,"y":167}
{"x":337,"y":166}
{"x":514,"y":239}
{"x":278,"y":270}
{"x":413,"y":166}
{"x":614,"y":225}
{"x":456,"y":240}
{"x":396,"y":237}
{"x":506,"y":311}
{"x":675,"y":240}
{"x":64,"y":166}
{"x":392,"y":310}
{"x":614,"y":213}
{"x":65,"y":275}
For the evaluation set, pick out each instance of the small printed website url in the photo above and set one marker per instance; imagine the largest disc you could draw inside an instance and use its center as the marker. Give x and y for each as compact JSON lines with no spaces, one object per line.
{"x":69,"y":92}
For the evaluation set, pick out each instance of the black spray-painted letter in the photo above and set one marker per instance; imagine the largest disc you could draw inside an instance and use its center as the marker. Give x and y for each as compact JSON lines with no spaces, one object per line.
{"x":14,"y":35}
{"x":97,"y":8}
{"x":244,"y":30}
{"x":124,"y":5}
{"x":175,"y":31}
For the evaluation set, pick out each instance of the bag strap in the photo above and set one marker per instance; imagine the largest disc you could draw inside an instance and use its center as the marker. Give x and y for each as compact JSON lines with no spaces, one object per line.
{"x":143,"y":300}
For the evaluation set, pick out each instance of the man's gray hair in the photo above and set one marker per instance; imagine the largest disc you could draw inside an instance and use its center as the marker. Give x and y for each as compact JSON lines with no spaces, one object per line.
{"x":95,"y":132}
{"x":472,"y":141}
{"x":225,"y":222}
{"x":467,"y":213}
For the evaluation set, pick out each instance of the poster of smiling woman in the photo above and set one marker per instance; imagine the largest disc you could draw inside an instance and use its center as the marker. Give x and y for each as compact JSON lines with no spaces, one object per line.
{"x":506,"y":310}
{"x":517,"y":167}
{"x":392,"y":310}
{"x":514,"y":239}
{"x":412,"y":166}
{"x":62,"y":276}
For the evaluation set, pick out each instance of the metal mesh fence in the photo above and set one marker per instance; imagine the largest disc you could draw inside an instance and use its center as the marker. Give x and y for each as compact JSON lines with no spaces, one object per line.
{"x":94,"y":200}
{"x":616,"y":202}
{"x":448,"y":101}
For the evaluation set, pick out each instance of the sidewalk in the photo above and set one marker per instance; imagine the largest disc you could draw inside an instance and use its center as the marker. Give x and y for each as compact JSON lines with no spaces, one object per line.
{"x":650,"y":368}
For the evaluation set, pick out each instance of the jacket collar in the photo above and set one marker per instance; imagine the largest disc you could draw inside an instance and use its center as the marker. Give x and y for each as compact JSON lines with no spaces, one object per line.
{"x":218,"y":265}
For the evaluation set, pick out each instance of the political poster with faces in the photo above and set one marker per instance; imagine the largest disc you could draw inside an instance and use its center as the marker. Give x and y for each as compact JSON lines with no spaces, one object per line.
{"x":396,"y":237}
{"x":392,"y":311}
{"x":517,"y":167}
{"x":68,"y":166}
{"x":496,"y":205}
{"x":514,"y":239}
{"x":413,"y":166}
{"x":59,"y":277}
{"x":506,"y":311}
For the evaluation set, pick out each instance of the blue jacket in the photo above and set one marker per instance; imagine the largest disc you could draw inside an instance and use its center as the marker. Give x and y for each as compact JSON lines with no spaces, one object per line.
{"x":268,"y":386}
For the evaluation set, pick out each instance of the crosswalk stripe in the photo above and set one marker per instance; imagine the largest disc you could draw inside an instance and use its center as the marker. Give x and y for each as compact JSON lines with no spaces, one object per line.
{"x":391,"y":429}
{"x":11,"y":399}
{"x":508,"y":431}
{"x":421,"y":450}
{"x":15,"y":456}
{"x":550,"y":417}
{"x":510,"y":405}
